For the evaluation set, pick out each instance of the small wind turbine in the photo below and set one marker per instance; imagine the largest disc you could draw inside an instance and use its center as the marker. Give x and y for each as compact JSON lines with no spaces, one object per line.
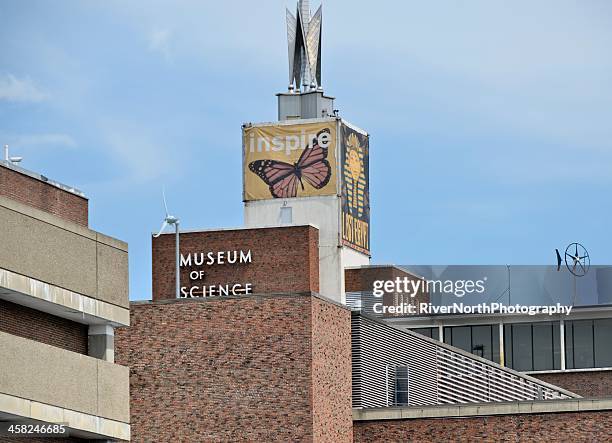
{"x":172,"y":220}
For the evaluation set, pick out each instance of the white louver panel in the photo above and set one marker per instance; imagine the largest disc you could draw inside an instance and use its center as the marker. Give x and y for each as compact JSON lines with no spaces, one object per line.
{"x":439,"y":373}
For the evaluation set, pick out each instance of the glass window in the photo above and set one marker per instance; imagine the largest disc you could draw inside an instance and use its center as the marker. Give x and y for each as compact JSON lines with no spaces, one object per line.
{"x":401,"y":386}
{"x":587,"y":343}
{"x":532,"y":346}
{"x":583,"y":344}
{"x":556,"y":328}
{"x":427,"y":332}
{"x":546,"y":350}
{"x":481,"y":340}
{"x":495,"y":343}
{"x":460,"y":337}
{"x":286,"y":215}
{"x":508,"y":346}
{"x":603,"y":347}
{"x":522,"y":350}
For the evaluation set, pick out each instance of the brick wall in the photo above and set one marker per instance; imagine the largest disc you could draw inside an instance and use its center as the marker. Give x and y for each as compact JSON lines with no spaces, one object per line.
{"x":43,"y":196}
{"x":284,"y":259}
{"x":557,"y":427}
{"x":331,"y":373}
{"x":42,"y":327}
{"x":596,"y":384}
{"x":251,"y":368}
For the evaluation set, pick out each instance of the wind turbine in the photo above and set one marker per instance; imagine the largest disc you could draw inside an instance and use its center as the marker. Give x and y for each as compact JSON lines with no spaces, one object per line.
{"x":172,"y":220}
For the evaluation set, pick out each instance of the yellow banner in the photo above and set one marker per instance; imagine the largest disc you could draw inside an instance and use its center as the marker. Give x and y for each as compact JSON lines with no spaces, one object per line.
{"x":285,"y":161}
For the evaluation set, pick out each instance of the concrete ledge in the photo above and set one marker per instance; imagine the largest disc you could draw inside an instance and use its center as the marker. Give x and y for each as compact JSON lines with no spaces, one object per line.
{"x":85,"y":425}
{"x":483,"y":409}
{"x":46,"y":217}
{"x":567,"y":371}
{"x":47,"y":375}
{"x":58,"y":252}
{"x":61,"y":223}
{"x":61,"y":302}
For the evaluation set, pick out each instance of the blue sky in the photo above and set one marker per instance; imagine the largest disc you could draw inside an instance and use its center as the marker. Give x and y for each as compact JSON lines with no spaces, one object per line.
{"x":491,"y":121}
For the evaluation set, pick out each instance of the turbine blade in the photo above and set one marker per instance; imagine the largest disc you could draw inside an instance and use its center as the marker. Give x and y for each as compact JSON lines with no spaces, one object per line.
{"x":313,"y":43}
{"x":291,"y":34}
{"x":163,"y":226}
{"x":164,"y":197}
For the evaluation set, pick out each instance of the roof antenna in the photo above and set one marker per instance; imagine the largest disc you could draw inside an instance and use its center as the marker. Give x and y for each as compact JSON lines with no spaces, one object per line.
{"x":9,"y":159}
{"x":172,"y":220}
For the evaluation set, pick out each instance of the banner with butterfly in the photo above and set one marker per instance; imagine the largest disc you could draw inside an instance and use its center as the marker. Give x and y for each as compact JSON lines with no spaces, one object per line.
{"x":355,"y":173}
{"x":290,"y":160}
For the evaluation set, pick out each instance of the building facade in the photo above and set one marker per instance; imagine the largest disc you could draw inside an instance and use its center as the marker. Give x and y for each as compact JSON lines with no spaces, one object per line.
{"x":272,"y":337}
{"x":63,"y":291}
{"x":569,"y":350}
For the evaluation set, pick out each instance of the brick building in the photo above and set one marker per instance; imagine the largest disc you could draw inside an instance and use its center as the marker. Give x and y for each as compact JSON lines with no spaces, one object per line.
{"x":292,"y":365}
{"x":272,"y":338}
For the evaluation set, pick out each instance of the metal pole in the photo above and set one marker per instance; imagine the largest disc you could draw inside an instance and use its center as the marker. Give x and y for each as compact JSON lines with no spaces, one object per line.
{"x":387,"y":385}
{"x":178,"y":269}
{"x":562,"y":343}
{"x":502,"y":344}
{"x":6,"y":153}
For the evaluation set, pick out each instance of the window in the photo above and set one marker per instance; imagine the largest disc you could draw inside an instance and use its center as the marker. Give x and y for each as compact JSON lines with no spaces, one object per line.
{"x":579,"y":338}
{"x":603,"y":348}
{"x":546,"y":349}
{"x":427,"y":332}
{"x":286,"y":215}
{"x":587,"y":343}
{"x":532,"y":346}
{"x":485,"y":341}
{"x":522,"y":347}
{"x":460,"y":337}
{"x":401,"y":386}
{"x":481,"y":340}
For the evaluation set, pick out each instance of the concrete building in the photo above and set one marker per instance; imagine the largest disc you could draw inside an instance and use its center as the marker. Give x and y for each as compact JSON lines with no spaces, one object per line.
{"x":63,"y":291}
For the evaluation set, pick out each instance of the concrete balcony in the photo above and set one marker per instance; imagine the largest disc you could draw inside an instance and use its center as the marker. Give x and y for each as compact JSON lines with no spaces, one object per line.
{"x":47,"y":384}
{"x":46,"y":261}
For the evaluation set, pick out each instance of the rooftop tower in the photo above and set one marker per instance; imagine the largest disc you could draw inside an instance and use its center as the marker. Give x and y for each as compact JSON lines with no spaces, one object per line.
{"x":310,"y":166}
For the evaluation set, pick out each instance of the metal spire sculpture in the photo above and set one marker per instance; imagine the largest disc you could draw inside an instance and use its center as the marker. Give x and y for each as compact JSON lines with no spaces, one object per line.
{"x":304,"y":43}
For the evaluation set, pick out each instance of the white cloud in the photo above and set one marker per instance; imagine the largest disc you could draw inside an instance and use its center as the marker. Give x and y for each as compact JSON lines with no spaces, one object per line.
{"x":14,"y":89}
{"x":159,"y":41}
{"x":142,"y":156}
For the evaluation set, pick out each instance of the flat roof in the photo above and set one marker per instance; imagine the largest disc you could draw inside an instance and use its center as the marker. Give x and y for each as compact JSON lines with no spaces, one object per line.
{"x":42,"y":178}
{"x":239,"y":228}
